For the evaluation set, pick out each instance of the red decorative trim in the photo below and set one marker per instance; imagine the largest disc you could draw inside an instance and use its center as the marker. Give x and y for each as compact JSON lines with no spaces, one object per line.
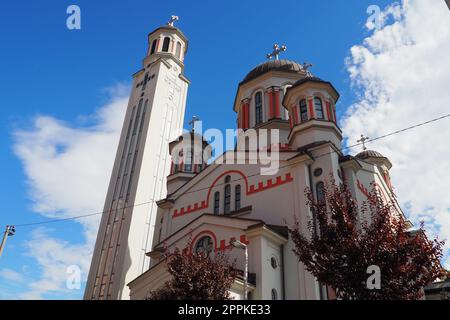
{"x":366,"y":192}
{"x":249,"y":190}
{"x":296,"y":111}
{"x":311,"y":109}
{"x":218,"y":246}
{"x":246,"y":119}
{"x":270,"y":97}
{"x":363,"y":189}
{"x":277,"y":104}
{"x":270,"y":184}
{"x":329,"y":115}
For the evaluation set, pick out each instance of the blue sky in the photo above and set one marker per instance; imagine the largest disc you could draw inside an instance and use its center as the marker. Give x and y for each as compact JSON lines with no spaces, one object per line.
{"x":50,"y":71}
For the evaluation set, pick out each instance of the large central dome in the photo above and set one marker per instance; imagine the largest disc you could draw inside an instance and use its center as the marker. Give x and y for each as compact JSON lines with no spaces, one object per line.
{"x":274,"y":65}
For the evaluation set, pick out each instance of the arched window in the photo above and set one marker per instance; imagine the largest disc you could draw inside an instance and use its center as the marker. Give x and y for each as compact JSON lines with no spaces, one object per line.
{"x":318,"y":108}
{"x":258,"y":108}
{"x":178,"y":50}
{"x":216,"y":202}
{"x":227,"y":199}
{"x":320,"y":192}
{"x":153,"y":49}
{"x":237,"y":197}
{"x":204,"y":245}
{"x":166,"y":43}
{"x":303,"y":111}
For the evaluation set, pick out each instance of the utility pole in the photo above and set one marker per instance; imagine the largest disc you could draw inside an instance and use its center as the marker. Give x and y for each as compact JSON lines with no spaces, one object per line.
{"x":10,"y":231}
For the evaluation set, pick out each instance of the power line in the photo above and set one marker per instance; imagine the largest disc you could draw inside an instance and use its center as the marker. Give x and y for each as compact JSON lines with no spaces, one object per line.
{"x":238,"y":179}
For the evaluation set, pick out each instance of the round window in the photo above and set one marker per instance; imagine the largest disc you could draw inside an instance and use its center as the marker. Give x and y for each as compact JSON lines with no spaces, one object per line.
{"x":318,"y":172}
{"x":204,"y":245}
{"x":273,"y":262}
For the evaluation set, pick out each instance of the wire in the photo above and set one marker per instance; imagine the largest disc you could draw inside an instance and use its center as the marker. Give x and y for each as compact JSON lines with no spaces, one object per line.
{"x":238,"y":179}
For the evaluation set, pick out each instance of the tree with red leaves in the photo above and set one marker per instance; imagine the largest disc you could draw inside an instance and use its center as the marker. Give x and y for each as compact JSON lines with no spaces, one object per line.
{"x":345,"y":240}
{"x":196,"y":276}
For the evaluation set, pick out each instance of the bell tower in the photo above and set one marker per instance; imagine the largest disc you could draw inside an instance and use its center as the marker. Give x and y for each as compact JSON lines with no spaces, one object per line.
{"x":154,"y":117}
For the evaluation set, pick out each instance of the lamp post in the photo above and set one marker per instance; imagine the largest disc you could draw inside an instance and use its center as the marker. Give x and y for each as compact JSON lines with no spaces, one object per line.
{"x":240,"y":245}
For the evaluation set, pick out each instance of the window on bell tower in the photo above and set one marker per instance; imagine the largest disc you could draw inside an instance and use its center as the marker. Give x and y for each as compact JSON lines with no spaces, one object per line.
{"x":318,"y":108}
{"x":166,"y":44}
{"x":178,"y":50}
{"x":258,"y":108}
{"x":153,"y":49}
{"x":303,"y":111}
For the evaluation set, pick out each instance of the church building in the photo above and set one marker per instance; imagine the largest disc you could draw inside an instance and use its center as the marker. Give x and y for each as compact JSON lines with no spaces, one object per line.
{"x":213,"y":204}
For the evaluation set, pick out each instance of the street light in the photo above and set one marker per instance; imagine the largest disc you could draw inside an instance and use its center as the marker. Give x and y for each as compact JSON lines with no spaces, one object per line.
{"x":239,"y":245}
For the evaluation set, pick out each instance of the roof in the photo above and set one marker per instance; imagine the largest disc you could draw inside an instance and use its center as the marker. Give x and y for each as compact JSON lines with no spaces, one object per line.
{"x":316,"y":80}
{"x":274,"y":65}
{"x":369,"y":154}
{"x":438,"y":286}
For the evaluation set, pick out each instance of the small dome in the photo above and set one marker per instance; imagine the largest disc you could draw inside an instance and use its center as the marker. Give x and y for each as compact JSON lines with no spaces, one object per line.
{"x":369,"y":154}
{"x":274,"y":65}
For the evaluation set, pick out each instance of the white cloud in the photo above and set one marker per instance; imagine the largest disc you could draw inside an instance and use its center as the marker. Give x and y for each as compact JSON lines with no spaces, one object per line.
{"x":68,"y":169}
{"x":11,"y":275}
{"x":402,"y":73}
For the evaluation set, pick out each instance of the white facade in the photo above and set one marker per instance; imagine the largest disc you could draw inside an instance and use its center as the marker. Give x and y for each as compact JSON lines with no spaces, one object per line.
{"x":155,"y":202}
{"x":154,"y":117}
{"x":226,"y":201}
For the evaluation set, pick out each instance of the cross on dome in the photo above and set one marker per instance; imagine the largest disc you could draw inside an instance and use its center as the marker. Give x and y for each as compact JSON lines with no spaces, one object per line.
{"x":276,"y":51}
{"x":172,"y":20}
{"x":192,"y":122}
{"x":363,"y":141}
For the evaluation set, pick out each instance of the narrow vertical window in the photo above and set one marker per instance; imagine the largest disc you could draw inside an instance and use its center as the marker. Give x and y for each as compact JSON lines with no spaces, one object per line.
{"x":188,"y":162}
{"x":178,"y":50}
{"x":216,"y":202}
{"x":153,"y":49}
{"x":166,"y":44}
{"x":160,"y":229}
{"x":227,"y":199}
{"x":237,"y":197}
{"x":258,"y":108}
{"x":320,"y":192}
{"x":303,"y":111}
{"x":318,"y":108}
